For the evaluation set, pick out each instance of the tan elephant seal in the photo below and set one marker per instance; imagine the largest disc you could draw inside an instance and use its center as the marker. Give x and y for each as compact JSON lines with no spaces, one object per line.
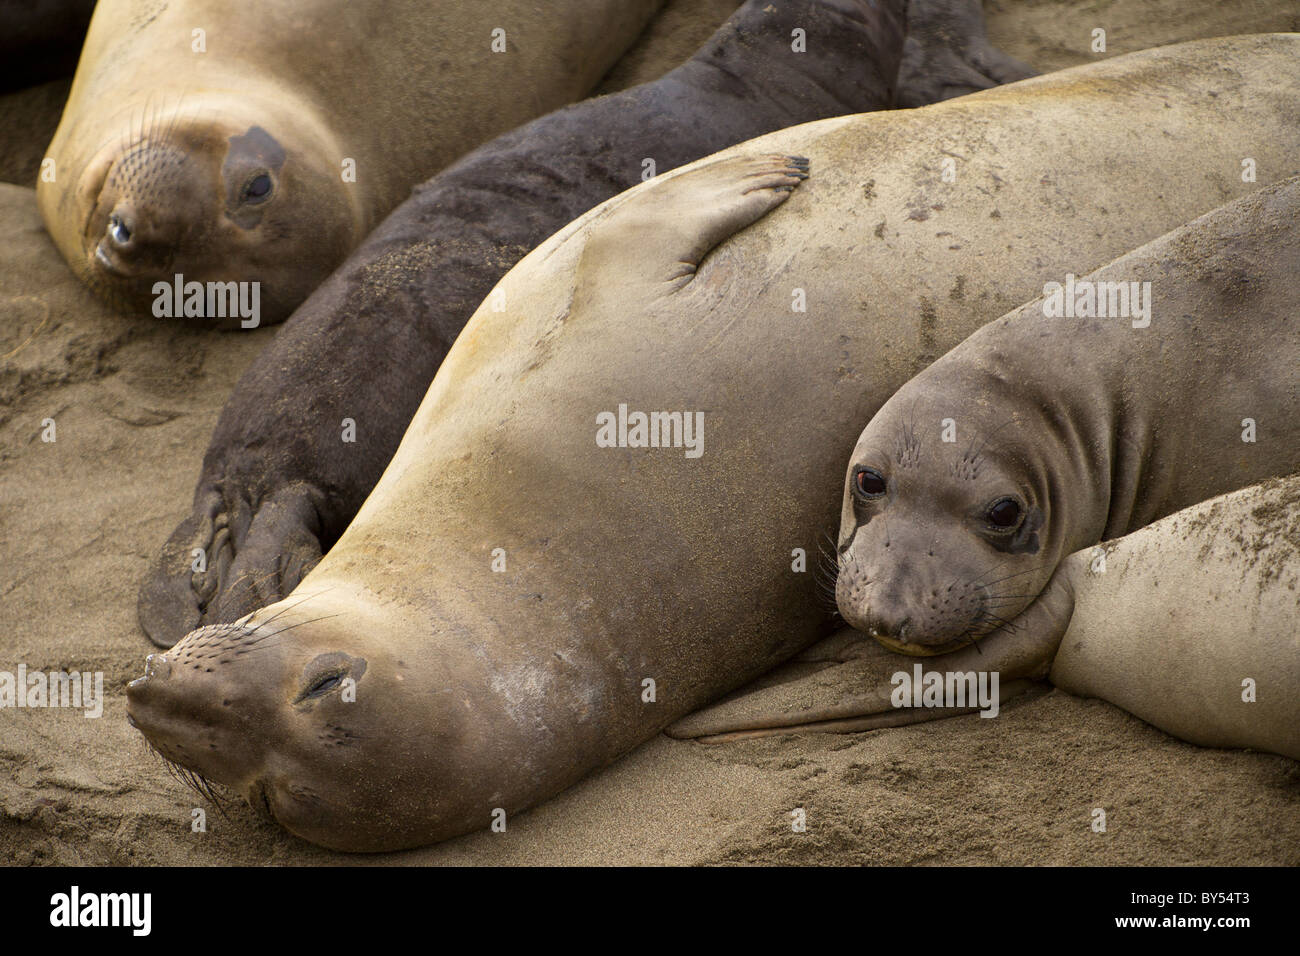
{"x":275,"y":492}
{"x":252,"y":143}
{"x":538,"y":583}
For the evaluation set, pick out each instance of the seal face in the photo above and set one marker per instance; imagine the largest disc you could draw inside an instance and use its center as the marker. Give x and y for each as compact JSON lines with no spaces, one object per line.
{"x":213,"y":199}
{"x":296,"y":727}
{"x":217,"y":141}
{"x":939,"y":541}
{"x":1075,"y":428}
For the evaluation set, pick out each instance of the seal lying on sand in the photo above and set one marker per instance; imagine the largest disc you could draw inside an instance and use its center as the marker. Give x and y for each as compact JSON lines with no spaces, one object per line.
{"x":1079,"y":417}
{"x":537,"y":583}
{"x":1189,"y":623}
{"x":240,"y":142}
{"x":278,"y":485}
{"x":1092,"y":427}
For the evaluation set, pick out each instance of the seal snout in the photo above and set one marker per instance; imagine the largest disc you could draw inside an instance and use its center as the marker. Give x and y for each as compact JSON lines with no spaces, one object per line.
{"x":910,"y":607}
{"x":197,"y":706}
{"x":156,"y":666}
{"x":881,"y":613}
{"x":149,"y":204}
{"x":195,"y":679}
{"x":885,"y":619}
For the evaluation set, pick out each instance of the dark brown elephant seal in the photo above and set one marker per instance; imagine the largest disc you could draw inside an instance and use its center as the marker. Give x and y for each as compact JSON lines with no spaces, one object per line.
{"x":237,"y":141}
{"x":533,"y":589}
{"x":279,"y":485}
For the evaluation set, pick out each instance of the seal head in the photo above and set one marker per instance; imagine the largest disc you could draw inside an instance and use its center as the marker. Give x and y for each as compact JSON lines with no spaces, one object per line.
{"x":943,"y":541}
{"x":212,"y":191}
{"x":311,"y":735}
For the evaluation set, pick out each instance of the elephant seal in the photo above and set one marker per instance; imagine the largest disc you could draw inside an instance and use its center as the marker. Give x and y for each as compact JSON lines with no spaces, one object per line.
{"x":1081,"y":416}
{"x":235,"y":142}
{"x":1188,"y":623}
{"x":537,"y":584}
{"x":1184,"y":604}
{"x":278,"y":486}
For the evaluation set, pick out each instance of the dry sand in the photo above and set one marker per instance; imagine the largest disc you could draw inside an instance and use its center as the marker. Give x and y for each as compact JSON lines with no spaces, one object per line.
{"x":135,"y":401}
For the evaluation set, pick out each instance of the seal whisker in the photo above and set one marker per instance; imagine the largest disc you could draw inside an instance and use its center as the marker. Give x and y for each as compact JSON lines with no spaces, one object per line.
{"x":998,"y":622}
{"x":828,"y":568}
{"x":253,"y":583}
{"x":190,"y":778}
{"x":827,"y":571}
{"x":988,"y":572}
{"x":290,"y":627}
{"x":139,"y":134}
{"x":256,"y":582}
{"x":1037,"y":567}
{"x":834,"y":551}
{"x":154,"y":120}
{"x":290,"y":608}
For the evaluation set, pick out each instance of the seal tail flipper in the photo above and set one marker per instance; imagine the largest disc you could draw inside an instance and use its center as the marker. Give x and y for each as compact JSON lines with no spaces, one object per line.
{"x":852,"y":688}
{"x":947,"y":53}
{"x":654,"y":240}
{"x":226,"y":560}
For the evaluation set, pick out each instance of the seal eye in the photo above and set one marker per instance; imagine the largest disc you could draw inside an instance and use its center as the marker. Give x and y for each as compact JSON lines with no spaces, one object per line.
{"x":258,"y":189}
{"x":869,"y":483}
{"x":1004,"y":513}
{"x":328,"y":673}
{"x":324,"y":685}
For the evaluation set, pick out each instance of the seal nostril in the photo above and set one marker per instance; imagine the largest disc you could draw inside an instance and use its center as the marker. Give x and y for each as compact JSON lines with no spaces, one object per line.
{"x":157,"y":667}
{"x":119,"y":230}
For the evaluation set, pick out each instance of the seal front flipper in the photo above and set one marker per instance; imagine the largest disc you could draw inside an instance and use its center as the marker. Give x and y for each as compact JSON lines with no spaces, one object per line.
{"x":189,"y":569}
{"x":282,"y":544}
{"x":652,"y":242}
{"x":947,"y":53}
{"x":228,"y":559}
{"x":854,"y":685}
